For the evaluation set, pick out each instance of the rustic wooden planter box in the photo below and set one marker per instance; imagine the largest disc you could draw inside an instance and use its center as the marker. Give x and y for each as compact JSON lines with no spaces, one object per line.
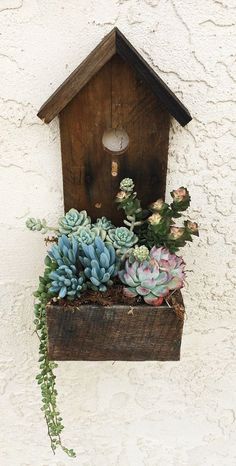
{"x":119,"y":333}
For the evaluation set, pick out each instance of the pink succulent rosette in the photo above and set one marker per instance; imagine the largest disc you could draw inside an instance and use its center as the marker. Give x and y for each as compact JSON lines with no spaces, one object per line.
{"x":155,"y":278}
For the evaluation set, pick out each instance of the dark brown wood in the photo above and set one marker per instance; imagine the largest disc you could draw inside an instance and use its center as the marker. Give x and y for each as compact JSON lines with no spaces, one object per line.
{"x":114,"y":43}
{"x":114,"y":98}
{"x":118,"y":333}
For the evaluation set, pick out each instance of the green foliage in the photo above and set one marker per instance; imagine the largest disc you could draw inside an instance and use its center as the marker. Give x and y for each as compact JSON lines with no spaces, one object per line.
{"x":46,"y":378}
{"x":155,"y":226}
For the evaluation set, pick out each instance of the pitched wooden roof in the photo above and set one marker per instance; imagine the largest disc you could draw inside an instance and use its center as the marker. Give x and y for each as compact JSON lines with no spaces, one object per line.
{"x":114,"y":42}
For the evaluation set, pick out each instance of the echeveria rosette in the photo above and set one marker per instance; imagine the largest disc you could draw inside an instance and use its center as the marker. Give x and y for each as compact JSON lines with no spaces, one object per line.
{"x":65,"y":252}
{"x":100,"y":263}
{"x":170,"y":263}
{"x":85,"y":235}
{"x":72,"y":221}
{"x":155,"y":278}
{"x":66,"y":282}
{"x":122,"y":239}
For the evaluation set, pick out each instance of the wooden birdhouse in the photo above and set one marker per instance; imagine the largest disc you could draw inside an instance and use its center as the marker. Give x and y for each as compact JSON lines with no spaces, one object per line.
{"x":114,"y":114}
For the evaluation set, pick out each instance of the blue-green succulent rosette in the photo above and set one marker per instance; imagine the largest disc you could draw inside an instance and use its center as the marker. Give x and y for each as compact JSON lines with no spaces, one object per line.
{"x":72,"y":221}
{"x":122,"y":239}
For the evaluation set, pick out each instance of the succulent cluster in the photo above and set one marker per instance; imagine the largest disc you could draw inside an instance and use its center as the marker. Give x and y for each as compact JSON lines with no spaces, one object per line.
{"x":87,"y":255}
{"x":153,"y":278}
{"x":99,"y":262}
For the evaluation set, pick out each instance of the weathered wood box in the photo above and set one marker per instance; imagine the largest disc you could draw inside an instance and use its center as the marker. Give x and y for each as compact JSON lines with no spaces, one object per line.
{"x":113,"y":92}
{"x":119,"y":333}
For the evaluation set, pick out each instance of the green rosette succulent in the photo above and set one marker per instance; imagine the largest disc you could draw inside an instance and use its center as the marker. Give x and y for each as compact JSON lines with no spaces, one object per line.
{"x":72,"y":221}
{"x":66,"y":282}
{"x":85,"y":235}
{"x":100,"y":263}
{"x":122,"y":239}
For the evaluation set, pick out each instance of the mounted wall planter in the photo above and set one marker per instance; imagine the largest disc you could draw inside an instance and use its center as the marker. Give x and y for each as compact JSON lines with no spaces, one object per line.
{"x":114,"y":113}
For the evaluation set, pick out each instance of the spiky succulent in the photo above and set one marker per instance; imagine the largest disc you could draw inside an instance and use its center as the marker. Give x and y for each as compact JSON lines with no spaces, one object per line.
{"x":66,"y":282}
{"x":127,"y":185}
{"x":65,"y":252}
{"x":99,"y":262}
{"x":122,"y":239}
{"x":72,"y":221}
{"x":153,"y":279}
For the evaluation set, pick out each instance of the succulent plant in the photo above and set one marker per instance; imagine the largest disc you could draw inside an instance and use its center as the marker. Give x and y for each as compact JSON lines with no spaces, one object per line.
{"x":127,"y":185}
{"x":65,"y":252}
{"x":85,"y":235}
{"x":35,"y":224}
{"x":103,"y":223}
{"x":71,"y":222}
{"x":101,"y":227}
{"x":122,"y":239}
{"x":153,"y":279}
{"x":140,"y":253}
{"x":170,"y":263}
{"x":65,"y":282}
{"x":99,"y":262}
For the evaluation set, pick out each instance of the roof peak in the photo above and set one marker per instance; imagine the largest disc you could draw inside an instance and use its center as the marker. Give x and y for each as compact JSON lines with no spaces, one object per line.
{"x":113,"y":43}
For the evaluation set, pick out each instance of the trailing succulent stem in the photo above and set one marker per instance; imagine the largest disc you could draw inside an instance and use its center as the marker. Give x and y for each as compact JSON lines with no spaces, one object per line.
{"x":46,"y":378}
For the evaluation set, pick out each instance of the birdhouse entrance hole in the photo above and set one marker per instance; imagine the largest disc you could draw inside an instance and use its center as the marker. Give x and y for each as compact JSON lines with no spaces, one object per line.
{"x":115,"y":141}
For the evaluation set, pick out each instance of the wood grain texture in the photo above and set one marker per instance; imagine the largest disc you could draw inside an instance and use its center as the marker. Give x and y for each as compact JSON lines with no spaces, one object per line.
{"x":119,"y":333}
{"x":114,"y":98}
{"x":114,"y":43}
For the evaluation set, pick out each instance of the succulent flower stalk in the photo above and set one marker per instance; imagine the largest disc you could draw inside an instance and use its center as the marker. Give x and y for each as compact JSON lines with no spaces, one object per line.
{"x":127,"y":185}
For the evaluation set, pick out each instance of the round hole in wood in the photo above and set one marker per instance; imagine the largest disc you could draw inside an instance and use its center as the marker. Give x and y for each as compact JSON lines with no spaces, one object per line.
{"x":115,"y":141}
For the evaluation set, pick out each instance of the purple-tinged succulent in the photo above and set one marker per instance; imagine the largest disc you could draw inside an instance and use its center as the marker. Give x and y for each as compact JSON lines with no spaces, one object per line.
{"x":155,"y":278}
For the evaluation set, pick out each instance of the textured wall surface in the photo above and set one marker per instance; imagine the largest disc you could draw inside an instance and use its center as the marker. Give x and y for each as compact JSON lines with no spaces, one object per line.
{"x":126,"y":414}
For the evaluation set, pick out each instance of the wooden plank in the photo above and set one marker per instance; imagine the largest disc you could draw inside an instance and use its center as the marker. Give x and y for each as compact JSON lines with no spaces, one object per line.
{"x":155,"y":83}
{"x":96,"y":333}
{"x":78,"y":78}
{"x":147,"y":122}
{"x":115,"y":98}
{"x":85,"y":164}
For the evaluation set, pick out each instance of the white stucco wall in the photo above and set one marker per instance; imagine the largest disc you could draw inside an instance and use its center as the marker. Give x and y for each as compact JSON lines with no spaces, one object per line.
{"x":126,"y":414}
